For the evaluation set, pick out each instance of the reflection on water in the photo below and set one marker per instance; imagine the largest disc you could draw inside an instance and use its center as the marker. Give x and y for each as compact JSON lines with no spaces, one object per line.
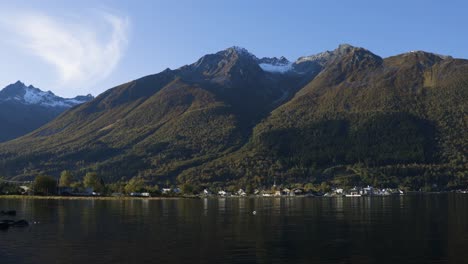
{"x":407,"y":229}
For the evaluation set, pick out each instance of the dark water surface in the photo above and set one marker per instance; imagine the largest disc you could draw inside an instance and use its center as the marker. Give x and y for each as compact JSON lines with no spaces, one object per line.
{"x":407,"y":229}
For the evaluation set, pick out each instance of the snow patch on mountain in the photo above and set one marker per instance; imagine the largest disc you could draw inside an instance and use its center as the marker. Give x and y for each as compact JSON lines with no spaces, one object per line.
{"x":30,"y":95}
{"x":275,"y":65}
{"x":281,"y":68}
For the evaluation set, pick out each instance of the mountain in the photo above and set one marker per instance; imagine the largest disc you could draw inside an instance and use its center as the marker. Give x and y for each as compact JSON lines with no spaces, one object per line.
{"x":343,"y":116}
{"x":25,"y":108}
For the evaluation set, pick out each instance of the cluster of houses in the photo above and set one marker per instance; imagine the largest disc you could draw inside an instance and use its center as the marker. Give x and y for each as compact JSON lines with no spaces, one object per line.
{"x":364,"y":191}
{"x":264,"y":193}
{"x":336,"y":192}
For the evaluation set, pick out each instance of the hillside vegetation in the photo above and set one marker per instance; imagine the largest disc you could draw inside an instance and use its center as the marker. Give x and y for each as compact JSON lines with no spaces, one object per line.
{"x":398,"y":121}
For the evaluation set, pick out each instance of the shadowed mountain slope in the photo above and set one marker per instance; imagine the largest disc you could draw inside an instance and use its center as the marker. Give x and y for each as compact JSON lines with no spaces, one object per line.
{"x":231,"y":118}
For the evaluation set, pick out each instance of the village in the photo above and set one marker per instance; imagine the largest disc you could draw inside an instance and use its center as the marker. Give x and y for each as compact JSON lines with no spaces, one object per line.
{"x":289,"y":192}
{"x":300,"y":192}
{"x":189,"y":191}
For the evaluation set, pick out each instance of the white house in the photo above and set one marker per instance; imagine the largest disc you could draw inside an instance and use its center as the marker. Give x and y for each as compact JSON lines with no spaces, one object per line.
{"x":241,"y":192}
{"x":369,"y":190}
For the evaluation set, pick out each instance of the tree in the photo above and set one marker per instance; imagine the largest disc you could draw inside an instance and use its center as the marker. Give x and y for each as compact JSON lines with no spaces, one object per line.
{"x":76,"y":185}
{"x":135,"y":184}
{"x":91,"y":180}
{"x":308,"y":187}
{"x":187,"y":188}
{"x":66,"y":179}
{"x":44,"y":184}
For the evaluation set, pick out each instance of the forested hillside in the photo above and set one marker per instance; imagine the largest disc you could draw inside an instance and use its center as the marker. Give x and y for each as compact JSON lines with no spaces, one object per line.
{"x":345,"y":117}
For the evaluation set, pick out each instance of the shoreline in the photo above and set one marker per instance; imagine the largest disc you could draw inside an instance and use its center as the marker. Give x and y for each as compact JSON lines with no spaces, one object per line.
{"x":38,"y":197}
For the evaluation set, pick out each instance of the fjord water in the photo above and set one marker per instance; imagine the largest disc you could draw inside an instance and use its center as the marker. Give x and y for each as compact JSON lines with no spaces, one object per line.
{"x":406,"y":229}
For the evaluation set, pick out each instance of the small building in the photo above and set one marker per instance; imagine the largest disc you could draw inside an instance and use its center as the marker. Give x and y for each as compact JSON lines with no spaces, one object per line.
{"x":241,"y":192}
{"x":286,"y":191}
{"x":369,"y":190}
{"x":88,"y":191}
{"x":298,"y":191}
{"x":166,"y":190}
{"x":24,"y":189}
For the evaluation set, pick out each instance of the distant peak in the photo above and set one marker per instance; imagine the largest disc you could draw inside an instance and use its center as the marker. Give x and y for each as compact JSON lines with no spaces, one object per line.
{"x":427,"y":54}
{"x":18,"y":92}
{"x":19,"y":83}
{"x":238,"y":49}
{"x":274,"y":60}
{"x":345,"y":46}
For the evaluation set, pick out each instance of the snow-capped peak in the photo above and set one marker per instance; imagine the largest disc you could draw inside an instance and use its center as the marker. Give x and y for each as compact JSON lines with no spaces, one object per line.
{"x":30,"y":95}
{"x":275,"y":65}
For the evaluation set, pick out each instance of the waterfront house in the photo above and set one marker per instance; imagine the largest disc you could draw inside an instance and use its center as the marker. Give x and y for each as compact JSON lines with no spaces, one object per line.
{"x":369,"y":190}
{"x":241,"y":192}
{"x":286,"y":191}
{"x":354,"y":192}
{"x":24,"y":189}
{"x":298,"y":191}
{"x":339,"y":191}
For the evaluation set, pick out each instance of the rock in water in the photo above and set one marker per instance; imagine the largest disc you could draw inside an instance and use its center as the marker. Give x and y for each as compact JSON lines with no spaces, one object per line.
{"x":20,"y":223}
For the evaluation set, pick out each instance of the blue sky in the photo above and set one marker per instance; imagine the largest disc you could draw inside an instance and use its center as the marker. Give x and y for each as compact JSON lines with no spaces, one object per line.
{"x":80,"y":47}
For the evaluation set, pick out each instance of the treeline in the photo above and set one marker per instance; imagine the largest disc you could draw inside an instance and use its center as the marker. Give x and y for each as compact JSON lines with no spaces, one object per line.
{"x":69,"y":183}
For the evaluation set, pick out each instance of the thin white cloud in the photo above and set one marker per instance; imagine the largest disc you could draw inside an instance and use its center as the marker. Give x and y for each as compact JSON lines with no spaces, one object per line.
{"x":83,"y":50}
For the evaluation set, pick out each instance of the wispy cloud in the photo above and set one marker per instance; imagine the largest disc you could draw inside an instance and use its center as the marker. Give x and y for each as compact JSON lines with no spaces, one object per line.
{"x":83,"y":50}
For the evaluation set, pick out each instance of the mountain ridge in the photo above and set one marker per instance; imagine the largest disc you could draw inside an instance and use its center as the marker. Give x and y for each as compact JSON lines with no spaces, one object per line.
{"x":225,"y":120}
{"x":25,"y":108}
